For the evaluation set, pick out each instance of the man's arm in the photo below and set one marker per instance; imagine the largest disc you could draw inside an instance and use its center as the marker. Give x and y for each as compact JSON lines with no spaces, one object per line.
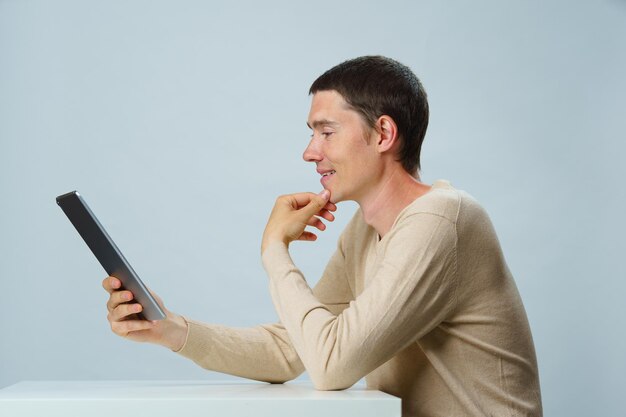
{"x":265,"y":352}
{"x":262,"y":353}
{"x":411,"y":292}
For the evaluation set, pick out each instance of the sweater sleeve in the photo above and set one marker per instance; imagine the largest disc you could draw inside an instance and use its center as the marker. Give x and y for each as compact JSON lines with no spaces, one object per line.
{"x":410,"y":292}
{"x":263,"y":352}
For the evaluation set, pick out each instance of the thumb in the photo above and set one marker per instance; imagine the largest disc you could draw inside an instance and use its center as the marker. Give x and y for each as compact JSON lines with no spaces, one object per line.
{"x":317,"y":203}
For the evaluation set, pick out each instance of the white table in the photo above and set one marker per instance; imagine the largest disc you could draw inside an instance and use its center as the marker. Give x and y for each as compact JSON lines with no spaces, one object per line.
{"x":189,"y":399}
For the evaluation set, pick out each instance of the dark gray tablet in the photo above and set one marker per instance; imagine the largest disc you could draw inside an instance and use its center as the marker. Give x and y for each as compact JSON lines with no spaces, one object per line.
{"x":107,"y":252}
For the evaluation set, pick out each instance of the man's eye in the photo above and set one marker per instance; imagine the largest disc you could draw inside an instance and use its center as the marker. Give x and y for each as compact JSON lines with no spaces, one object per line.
{"x":324,"y":135}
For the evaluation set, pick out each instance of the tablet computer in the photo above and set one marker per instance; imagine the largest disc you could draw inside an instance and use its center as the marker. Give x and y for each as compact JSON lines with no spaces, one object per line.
{"x":107,"y":253}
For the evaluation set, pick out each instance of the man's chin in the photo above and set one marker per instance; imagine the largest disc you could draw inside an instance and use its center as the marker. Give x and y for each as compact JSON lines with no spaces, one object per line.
{"x":335,"y":198}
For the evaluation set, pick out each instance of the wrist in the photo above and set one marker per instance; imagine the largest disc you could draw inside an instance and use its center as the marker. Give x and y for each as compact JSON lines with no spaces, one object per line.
{"x":272,"y":240}
{"x":175,"y":329}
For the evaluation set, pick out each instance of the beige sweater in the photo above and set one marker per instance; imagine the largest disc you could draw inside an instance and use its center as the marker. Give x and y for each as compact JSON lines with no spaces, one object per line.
{"x":430,"y":313}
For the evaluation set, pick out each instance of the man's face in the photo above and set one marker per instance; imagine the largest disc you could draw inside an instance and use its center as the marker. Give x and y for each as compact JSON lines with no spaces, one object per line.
{"x":341,"y":148}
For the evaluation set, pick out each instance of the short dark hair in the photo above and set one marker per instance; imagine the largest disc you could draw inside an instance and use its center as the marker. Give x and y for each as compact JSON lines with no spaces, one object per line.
{"x":376,"y":86}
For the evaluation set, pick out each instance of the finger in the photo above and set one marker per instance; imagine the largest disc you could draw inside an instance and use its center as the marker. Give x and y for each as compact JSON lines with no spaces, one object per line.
{"x":330,"y":206}
{"x":308,"y":236}
{"x":327,"y":215}
{"x":317,"y":203}
{"x":117,"y":298}
{"x":106,"y":284}
{"x":122,"y":311}
{"x":116,"y":284}
{"x":298,"y":200}
{"x":111,"y":284}
{"x":315,"y":222}
{"x":123,"y":328}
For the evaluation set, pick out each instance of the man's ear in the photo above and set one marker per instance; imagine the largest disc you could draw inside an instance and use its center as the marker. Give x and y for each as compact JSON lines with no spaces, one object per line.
{"x":387,"y":133}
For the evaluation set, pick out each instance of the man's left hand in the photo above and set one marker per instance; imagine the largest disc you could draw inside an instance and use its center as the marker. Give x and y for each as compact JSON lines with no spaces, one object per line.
{"x":293,"y":212}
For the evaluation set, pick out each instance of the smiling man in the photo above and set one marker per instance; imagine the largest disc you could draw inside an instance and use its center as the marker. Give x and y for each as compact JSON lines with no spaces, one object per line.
{"x":417,"y":298}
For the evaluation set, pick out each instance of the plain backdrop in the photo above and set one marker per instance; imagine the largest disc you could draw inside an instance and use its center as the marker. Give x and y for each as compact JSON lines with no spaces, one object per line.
{"x":181,"y":121}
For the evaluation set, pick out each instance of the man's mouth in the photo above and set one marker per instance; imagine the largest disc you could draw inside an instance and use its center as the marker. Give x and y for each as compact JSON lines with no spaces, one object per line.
{"x":325,"y":174}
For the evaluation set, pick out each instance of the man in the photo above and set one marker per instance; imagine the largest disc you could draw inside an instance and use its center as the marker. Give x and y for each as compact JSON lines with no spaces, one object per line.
{"x":417,"y":297}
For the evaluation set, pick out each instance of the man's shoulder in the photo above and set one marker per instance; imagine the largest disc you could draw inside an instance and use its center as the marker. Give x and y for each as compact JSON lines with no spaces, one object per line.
{"x":444,"y":201}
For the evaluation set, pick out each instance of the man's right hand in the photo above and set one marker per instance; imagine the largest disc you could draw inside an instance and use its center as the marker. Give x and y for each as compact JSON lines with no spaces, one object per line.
{"x":125,"y":322}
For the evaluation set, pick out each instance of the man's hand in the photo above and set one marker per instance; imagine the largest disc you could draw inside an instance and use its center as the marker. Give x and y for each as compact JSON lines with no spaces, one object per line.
{"x":293,"y":212}
{"x":170,"y":332}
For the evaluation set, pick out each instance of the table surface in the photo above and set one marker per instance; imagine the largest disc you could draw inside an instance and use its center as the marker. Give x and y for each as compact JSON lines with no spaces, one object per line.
{"x":193,"y":398}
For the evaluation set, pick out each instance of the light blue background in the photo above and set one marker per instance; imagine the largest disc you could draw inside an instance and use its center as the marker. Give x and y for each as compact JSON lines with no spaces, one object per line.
{"x":180,"y":122}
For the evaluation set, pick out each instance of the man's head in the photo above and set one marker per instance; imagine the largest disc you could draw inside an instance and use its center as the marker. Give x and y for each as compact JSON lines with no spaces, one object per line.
{"x":374,"y":86}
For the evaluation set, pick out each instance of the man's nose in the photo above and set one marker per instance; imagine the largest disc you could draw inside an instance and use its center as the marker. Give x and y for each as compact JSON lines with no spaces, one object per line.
{"x":312,"y":152}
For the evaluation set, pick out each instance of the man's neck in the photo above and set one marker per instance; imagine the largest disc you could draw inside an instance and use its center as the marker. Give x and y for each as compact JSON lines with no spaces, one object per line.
{"x":395,"y":191}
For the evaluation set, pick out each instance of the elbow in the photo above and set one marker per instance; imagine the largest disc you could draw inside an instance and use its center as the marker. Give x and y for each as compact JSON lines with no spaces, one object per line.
{"x":332,"y":379}
{"x":287,"y":374}
{"x":330,"y":386}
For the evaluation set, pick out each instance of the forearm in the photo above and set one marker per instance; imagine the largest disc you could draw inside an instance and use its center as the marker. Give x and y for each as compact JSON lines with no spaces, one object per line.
{"x":313,"y":327}
{"x":262,"y":353}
